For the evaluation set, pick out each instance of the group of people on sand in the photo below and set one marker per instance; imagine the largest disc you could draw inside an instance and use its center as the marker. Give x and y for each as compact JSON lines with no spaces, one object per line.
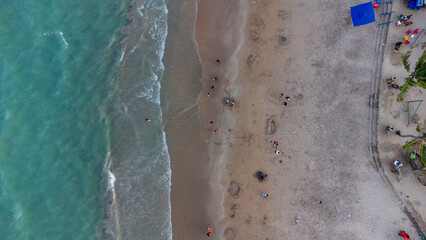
{"x":209,"y":94}
{"x":405,"y":20}
{"x":390,"y":82}
{"x":212,"y":123}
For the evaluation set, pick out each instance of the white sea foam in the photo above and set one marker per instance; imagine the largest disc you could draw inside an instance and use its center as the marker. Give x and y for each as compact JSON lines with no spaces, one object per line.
{"x":151,"y":90}
{"x":111,"y":180}
{"x":56,"y":33}
{"x":150,"y":38}
{"x":63,"y":39}
{"x":122,"y":56}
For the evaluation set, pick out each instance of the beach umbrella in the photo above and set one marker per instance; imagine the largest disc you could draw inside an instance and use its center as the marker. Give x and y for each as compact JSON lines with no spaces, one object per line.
{"x":362,"y":14}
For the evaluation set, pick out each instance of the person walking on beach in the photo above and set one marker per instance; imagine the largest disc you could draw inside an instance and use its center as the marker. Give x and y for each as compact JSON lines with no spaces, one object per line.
{"x":397,"y":46}
{"x":209,"y":231}
{"x":265,"y":195}
{"x":217,"y":61}
{"x":211,"y":123}
{"x":212,"y":88}
{"x":404,"y":235}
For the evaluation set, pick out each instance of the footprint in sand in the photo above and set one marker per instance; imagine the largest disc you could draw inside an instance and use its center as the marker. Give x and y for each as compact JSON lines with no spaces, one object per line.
{"x":229,"y":234}
{"x":271,"y":126}
{"x":235,"y":189}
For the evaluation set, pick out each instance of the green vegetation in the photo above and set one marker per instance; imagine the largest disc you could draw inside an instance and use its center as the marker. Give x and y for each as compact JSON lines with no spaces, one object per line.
{"x":422,"y":140}
{"x":417,"y":76}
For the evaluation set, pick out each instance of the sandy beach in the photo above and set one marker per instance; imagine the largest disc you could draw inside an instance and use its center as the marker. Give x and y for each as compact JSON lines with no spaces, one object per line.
{"x":323,"y":182}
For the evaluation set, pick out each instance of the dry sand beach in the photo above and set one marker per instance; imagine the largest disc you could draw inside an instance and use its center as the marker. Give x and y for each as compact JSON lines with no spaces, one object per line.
{"x":323,"y":184}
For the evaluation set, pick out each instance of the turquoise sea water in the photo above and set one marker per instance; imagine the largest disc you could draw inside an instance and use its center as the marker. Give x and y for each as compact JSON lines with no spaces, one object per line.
{"x":58,"y":60}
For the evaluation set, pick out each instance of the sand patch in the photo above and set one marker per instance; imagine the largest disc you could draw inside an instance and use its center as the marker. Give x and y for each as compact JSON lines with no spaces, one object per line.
{"x":271,"y":126}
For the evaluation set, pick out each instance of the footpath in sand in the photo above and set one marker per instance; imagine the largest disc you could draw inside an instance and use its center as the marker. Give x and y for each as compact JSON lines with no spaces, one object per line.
{"x":324,"y":183}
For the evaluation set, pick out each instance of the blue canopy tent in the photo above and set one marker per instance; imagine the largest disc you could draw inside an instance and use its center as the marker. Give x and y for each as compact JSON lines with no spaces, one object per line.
{"x":362,"y":14}
{"x":415,"y":4}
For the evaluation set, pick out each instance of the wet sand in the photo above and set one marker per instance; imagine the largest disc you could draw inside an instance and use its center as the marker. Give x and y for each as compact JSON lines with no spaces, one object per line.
{"x":219,"y":36}
{"x":181,"y":87}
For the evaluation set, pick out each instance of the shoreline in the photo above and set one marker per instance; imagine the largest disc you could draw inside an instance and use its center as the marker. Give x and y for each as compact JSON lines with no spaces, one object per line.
{"x":215,"y":20}
{"x":181,"y":87}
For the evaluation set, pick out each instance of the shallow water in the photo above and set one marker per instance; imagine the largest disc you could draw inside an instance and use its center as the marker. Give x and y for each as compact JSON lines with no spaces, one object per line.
{"x":139,"y":162}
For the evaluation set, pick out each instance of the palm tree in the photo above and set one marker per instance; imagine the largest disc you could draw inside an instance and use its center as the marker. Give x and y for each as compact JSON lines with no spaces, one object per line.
{"x":422,"y":141}
{"x":415,"y":77}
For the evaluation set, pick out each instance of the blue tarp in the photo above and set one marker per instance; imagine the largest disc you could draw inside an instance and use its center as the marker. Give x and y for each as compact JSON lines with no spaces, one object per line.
{"x":362,"y":14}
{"x":415,"y":4}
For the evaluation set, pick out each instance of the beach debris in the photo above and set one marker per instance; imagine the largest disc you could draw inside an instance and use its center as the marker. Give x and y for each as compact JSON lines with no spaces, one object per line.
{"x":250,"y":60}
{"x":271,"y":126}
{"x":229,"y":234}
{"x":282,"y":40}
{"x":264,"y":219}
{"x":235,"y":189}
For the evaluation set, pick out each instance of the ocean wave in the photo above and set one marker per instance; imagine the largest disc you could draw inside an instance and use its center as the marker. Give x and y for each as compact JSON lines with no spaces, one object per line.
{"x":151,"y":90}
{"x":57,"y":34}
{"x":140,"y":179}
